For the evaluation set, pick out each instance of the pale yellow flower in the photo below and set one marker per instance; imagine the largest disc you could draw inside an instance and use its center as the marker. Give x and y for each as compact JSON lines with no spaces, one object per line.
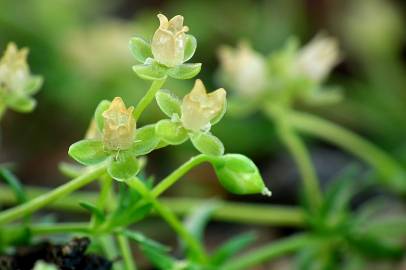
{"x":199,"y":108}
{"x":244,"y":69}
{"x":119,"y":126}
{"x":318,"y":58}
{"x":14,"y":70}
{"x":168,"y":42}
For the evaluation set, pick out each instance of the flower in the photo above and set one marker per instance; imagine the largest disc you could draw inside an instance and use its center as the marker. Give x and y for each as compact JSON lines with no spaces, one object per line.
{"x":14,"y":70}
{"x":199,"y":108}
{"x":119,"y":126}
{"x":244,"y":69}
{"x":168,"y":42}
{"x":318,"y":58}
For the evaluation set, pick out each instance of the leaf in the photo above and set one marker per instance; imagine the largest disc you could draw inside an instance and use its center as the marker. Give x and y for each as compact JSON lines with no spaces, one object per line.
{"x":33,"y":85}
{"x":140,"y":49}
{"x":96,"y":212}
{"x":239,"y":175}
{"x":168,"y":102}
{"x":88,"y":152}
{"x":232,"y":247}
{"x":145,"y":140}
{"x":158,"y":258}
{"x":190,"y":47}
{"x":151,"y":71}
{"x":21,"y":103}
{"x":126,"y":216}
{"x":98,"y":114}
{"x":123,"y":166}
{"x":15,"y":184}
{"x":199,"y":217}
{"x":40,"y":265}
{"x":184,"y":71}
{"x":207,"y":144}
{"x":143,"y":240}
{"x":171,"y":132}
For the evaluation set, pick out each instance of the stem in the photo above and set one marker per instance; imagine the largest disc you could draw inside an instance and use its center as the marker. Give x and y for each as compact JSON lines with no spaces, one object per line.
{"x":61,"y":228}
{"x":248,"y":213}
{"x":147,"y":98}
{"x":170,"y":218}
{"x":45,"y":199}
{"x":392,"y":173}
{"x":301,"y":157}
{"x":126,"y":253}
{"x":178,"y":173}
{"x":268,"y":252}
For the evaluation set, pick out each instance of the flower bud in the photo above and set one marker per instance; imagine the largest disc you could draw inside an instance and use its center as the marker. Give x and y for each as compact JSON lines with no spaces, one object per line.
{"x":168,"y":42}
{"x":119,"y":126}
{"x":243,"y":69}
{"x":318,"y":58}
{"x":14,"y":70}
{"x":199,"y":108}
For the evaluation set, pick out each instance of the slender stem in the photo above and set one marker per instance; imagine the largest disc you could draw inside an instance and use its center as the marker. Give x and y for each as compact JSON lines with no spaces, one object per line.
{"x":275,"y":249}
{"x":61,"y":228}
{"x":178,"y":173}
{"x":126,"y":253}
{"x":170,"y":218}
{"x":249,"y":213}
{"x":392,"y":173}
{"x":149,"y":96}
{"x":55,"y":194}
{"x":301,"y":157}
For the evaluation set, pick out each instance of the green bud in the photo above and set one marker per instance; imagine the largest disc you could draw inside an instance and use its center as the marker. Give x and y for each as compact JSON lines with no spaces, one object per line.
{"x":171,"y":132}
{"x":168,"y":102}
{"x":239,"y":175}
{"x":207,"y":144}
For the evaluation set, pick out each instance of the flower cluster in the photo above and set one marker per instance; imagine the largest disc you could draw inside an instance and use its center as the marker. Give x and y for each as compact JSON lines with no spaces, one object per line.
{"x":17,"y":85}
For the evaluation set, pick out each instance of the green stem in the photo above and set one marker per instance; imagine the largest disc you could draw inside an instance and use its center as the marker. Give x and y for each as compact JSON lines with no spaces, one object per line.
{"x":55,"y":194}
{"x":178,"y":173}
{"x":147,"y":98}
{"x":170,"y":218}
{"x":126,"y":253}
{"x":248,"y":213}
{"x":275,"y":249}
{"x":301,"y":157}
{"x":61,"y":228}
{"x":392,"y":173}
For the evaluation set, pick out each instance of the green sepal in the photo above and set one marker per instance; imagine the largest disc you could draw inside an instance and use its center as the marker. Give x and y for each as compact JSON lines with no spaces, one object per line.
{"x":151,"y":70}
{"x":239,"y":175}
{"x":168,"y":102}
{"x":98,"y":113}
{"x":171,"y":132}
{"x":88,"y":152}
{"x":184,"y":71}
{"x":140,"y":49}
{"x":33,"y":85}
{"x":207,"y":144}
{"x":145,"y":140}
{"x":190,"y":47}
{"x":20,"y":103}
{"x":123,"y":166}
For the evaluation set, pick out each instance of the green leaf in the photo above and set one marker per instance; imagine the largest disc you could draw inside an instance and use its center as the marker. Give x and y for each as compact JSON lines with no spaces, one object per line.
{"x":239,"y":175}
{"x":168,"y":102}
{"x":232,"y":247}
{"x":40,"y":265}
{"x":171,"y":132}
{"x":96,"y":212}
{"x":158,"y":258}
{"x":207,"y":144}
{"x":21,"y":103}
{"x":184,"y":71}
{"x":140,"y":49}
{"x":151,"y":71}
{"x":190,"y":47}
{"x":88,"y":152}
{"x":15,"y":184}
{"x":98,"y":114}
{"x":123,"y":166}
{"x":33,"y":85}
{"x":145,"y":140}
{"x":143,"y":240}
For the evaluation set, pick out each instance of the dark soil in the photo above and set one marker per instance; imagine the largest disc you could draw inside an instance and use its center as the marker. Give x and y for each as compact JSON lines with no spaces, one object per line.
{"x":70,"y":256}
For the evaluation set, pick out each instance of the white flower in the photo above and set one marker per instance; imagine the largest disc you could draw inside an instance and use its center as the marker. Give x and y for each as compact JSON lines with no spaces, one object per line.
{"x":199,"y":108}
{"x":119,"y":126}
{"x":318,"y":58}
{"x":168,"y":42}
{"x":244,"y":69}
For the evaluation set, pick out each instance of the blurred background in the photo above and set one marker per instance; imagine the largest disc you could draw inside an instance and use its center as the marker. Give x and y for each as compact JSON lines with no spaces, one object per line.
{"x":81,"y":49}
